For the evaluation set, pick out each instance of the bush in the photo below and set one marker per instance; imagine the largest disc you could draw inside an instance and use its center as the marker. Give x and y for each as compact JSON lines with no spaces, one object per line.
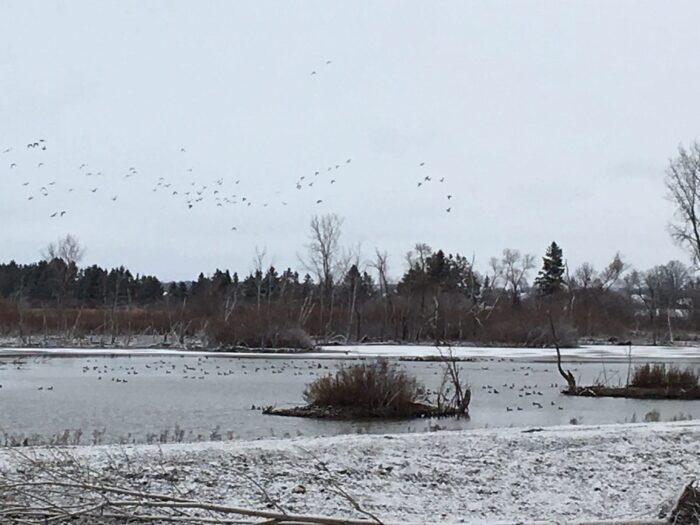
{"x":377,"y":386}
{"x":653,"y":416}
{"x":248,"y":330}
{"x":658,"y":376}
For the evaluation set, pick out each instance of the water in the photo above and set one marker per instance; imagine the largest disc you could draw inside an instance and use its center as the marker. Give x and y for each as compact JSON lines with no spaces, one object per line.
{"x":137,"y":398}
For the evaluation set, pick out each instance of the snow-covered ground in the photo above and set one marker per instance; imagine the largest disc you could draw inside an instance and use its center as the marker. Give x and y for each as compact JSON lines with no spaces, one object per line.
{"x":582,"y":353}
{"x":509,"y":475}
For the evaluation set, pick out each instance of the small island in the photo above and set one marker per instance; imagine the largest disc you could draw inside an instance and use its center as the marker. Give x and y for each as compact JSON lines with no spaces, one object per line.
{"x":648,"y":381}
{"x":380,"y":390}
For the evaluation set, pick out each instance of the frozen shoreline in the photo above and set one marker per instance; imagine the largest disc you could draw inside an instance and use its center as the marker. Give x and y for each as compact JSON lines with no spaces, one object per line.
{"x":631,"y":471}
{"x":588,"y":353}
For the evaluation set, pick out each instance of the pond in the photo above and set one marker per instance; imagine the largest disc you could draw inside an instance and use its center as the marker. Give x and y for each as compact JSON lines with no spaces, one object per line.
{"x":198,"y":397}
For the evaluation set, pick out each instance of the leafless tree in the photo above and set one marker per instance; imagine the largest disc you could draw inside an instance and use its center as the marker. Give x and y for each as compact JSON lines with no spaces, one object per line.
{"x":660,"y":289}
{"x":351,"y":257}
{"x":322,"y":258}
{"x":419,"y":255}
{"x":69,"y":253}
{"x":612,"y":273}
{"x":381,"y":265}
{"x":683,"y":185}
{"x":66,"y":249}
{"x":514,"y":269}
{"x":670,"y":279}
{"x":258,"y":265}
{"x":588,"y":288}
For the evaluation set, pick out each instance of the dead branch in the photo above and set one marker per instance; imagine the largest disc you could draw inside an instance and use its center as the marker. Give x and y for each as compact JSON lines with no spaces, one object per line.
{"x":54,"y":487}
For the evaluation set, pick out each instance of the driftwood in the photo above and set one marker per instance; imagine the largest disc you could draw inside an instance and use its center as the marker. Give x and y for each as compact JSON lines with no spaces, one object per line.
{"x":61,"y":489}
{"x":686,"y":511}
{"x":566,"y":374}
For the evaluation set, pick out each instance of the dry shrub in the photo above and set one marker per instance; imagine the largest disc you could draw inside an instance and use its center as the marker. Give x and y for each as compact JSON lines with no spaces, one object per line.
{"x":377,"y":386}
{"x":653,"y":416}
{"x":659,"y":376}
{"x":291,"y":338}
{"x":249,"y":330}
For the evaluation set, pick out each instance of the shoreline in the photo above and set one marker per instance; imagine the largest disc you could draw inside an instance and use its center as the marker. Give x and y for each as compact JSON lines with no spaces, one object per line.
{"x":407,"y":353}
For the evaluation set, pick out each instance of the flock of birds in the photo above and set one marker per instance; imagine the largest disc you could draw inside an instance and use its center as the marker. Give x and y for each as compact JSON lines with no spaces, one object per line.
{"x":35,"y":170}
{"x":205,"y":367}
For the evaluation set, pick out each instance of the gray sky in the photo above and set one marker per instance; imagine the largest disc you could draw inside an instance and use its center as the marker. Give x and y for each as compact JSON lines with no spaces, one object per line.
{"x":547,"y":120}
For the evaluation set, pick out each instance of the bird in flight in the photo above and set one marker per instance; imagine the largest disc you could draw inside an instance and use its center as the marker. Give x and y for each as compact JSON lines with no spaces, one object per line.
{"x":7,"y":150}
{"x":449,"y":197}
{"x":422,"y":164}
{"x":13,"y":165}
{"x":63,"y":213}
{"x":448,"y":210}
{"x":54,"y":214}
{"x":40,"y":165}
{"x":442,"y":179}
{"x":319,"y":201}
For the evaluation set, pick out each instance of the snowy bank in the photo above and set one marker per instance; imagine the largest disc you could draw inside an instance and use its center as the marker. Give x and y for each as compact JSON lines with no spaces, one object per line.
{"x":629,"y":472}
{"x":588,"y":353}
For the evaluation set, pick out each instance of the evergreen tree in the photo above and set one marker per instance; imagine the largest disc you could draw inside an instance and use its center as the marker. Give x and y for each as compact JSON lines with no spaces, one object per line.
{"x":550,"y":279}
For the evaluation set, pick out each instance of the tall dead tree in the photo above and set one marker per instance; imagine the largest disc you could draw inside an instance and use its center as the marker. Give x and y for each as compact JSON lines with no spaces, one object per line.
{"x":322,"y":259}
{"x":683,"y":186}
{"x":515,"y":268}
{"x":566,"y":374}
{"x":68,"y":253}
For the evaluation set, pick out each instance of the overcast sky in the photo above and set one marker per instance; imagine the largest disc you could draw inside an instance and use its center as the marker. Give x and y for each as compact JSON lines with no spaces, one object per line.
{"x":547,"y":120}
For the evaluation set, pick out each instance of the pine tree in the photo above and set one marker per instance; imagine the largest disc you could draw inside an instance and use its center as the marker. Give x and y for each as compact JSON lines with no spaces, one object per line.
{"x":550,"y":279}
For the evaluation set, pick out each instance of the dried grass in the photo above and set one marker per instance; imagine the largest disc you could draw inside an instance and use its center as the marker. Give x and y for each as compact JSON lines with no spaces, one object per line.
{"x":377,"y":386}
{"x":661,"y":376}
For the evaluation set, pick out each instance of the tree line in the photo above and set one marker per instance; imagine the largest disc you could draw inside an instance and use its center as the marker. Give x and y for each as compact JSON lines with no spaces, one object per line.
{"x":343,"y":298}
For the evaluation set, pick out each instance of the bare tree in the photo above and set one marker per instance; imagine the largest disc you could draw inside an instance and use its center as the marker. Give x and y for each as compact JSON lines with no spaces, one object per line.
{"x":660,"y":289}
{"x":671,"y":280}
{"x":514,"y":269}
{"x":612,"y":273}
{"x":381,"y":264}
{"x":67,"y":252}
{"x":683,"y":185}
{"x":589,"y":288}
{"x":322,"y":259}
{"x":351,"y":257}
{"x":67,"y":249}
{"x":258,"y":264}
